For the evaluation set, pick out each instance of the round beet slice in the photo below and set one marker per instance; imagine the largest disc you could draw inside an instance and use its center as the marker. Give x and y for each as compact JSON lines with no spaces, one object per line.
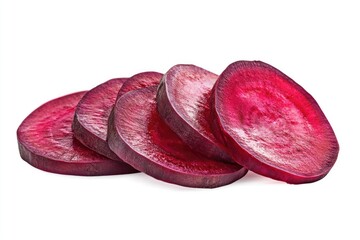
{"x":183,"y":102}
{"x":91,"y":116}
{"x":271,"y":125}
{"x":92,"y":113}
{"x":137,"y":81}
{"x":138,"y":135}
{"x":46,"y":141}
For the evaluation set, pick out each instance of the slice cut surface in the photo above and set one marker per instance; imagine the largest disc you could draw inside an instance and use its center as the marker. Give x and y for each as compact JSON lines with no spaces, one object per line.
{"x":91,"y":116}
{"x":139,"y":137}
{"x":271,"y":125}
{"x":183,"y":102}
{"x":46,"y":141}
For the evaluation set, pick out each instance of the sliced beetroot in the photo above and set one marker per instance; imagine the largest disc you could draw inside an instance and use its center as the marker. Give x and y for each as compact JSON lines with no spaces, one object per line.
{"x":91,"y":116}
{"x":140,"y":80}
{"x":138,"y":135}
{"x":183,"y":102}
{"x":46,"y":141}
{"x":271,"y":125}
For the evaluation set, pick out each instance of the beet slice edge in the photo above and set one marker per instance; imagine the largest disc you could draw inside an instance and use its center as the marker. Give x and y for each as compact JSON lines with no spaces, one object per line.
{"x":140,"y":80}
{"x":271,"y":125}
{"x":91,"y":116}
{"x":136,"y":82}
{"x":183,"y":103}
{"x":46,"y":141}
{"x":139,"y":137}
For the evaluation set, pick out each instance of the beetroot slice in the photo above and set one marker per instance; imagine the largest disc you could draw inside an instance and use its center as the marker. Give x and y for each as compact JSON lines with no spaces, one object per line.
{"x":271,"y":125}
{"x":140,"y":80}
{"x":139,"y":137}
{"x":91,"y":116}
{"x":137,"y":81}
{"x":183,"y":103}
{"x":46,"y":141}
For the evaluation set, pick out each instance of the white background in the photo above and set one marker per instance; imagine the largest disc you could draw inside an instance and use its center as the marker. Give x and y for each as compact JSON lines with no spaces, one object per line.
{"x":52,"y":48}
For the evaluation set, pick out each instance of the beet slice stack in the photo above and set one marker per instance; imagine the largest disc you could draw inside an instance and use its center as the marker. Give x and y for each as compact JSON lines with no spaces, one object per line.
{"x":138,"y":135}
{"x":271,"y":125}
{"x":183,"y":102}
{"x":46,"y":141}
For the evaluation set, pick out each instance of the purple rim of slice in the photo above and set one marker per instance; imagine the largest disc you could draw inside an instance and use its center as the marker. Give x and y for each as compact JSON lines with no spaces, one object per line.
{"x":183,"y":102}
{"x":46,"y":141}
{"x":138,"y":135}
{"x":271,"y":125}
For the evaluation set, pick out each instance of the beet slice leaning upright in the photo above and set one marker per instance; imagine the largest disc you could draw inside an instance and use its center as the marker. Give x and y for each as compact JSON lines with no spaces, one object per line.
{"x":271,"y":125}
{"x":138,"y":135}
{"x":137,"y":81}
{"x":46,"y":141}
{"x":183,"y":102}
{"x":92,"y":113}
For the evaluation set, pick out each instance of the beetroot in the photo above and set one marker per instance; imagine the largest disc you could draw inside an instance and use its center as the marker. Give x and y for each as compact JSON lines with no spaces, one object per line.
{"x":138,"y":81}
{"x":92,"y":113}
{"x":271,"y":125}
{"x":139,"y":137}
{"x":182,"y":98}
{"x":91,"y":116}
{"x":46,"y":141}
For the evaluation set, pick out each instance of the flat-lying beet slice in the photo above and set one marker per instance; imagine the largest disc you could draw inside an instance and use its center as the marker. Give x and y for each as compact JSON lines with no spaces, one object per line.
{"x":140,"y":80}
{"x":183,"y":102}
{"x":91,"y":116}
{"x":139,"y":137}
{"x":46,"y":141}
{"x":271,"y":125}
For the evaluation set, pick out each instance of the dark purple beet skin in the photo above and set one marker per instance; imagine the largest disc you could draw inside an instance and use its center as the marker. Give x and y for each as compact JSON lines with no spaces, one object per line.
{"x":46,"y":141}
{"x":271,"y":125}
{"x":91,"y":116}
{"x":183,"y":103}
{"x":138,"y":135}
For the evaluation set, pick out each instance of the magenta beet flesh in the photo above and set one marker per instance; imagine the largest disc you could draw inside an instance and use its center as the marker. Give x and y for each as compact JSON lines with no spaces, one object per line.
{"x":271,"y":125}
{"x":46,"y":141}
{"x":183,"y":102}
{"x":139,"y":137}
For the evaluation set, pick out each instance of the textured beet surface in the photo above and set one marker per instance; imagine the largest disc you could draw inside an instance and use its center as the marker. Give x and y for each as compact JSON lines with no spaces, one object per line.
{"x":271,"y":125}
{"x":91,"y":116}
{"x":183,"y":103}
{"x":139,"y":137}
{"x":46,"y":141}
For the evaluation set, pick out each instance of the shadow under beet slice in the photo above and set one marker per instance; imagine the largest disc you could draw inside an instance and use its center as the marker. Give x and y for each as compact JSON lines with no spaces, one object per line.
{"x":183,"y":102}
{"x":46,"y":141}
{"x":139,"y":137}
{"x":271,"y":125}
